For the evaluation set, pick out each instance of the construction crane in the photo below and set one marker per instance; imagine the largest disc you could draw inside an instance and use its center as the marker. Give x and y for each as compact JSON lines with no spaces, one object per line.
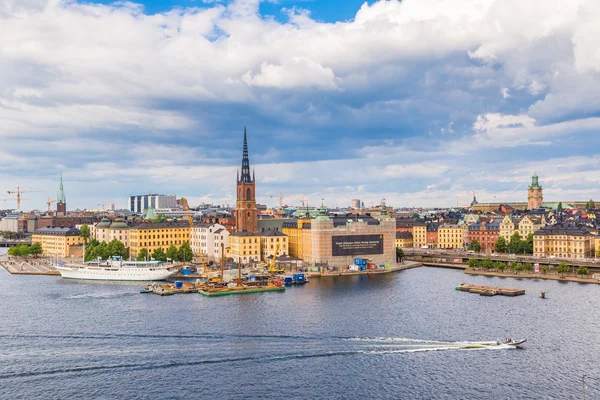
{"x":103,"y":205}
{"x":272,"y":267}
{"x":50,"y":202}
{"x":280,"y":199}
{"x":193,"y":233}
{"x":18,"y":192}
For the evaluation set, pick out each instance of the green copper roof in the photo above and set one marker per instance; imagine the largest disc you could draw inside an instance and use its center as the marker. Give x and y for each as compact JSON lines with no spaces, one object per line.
{"x":119,"y":224}
{"x":150,"y":214}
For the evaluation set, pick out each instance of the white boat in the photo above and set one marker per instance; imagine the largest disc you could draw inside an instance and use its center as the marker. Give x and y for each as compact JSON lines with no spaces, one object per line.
{"x":512,"y":342}
{"x":115,"y":269}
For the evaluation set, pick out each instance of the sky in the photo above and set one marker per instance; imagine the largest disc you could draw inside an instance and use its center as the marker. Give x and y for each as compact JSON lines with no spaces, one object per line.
{"x":420,"y":102}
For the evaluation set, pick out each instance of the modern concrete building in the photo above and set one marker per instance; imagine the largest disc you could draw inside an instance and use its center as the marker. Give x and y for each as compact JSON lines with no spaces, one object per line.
{"x":140,"y":203}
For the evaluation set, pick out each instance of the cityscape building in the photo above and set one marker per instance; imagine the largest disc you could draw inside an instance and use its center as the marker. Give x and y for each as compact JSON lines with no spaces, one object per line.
{"x":140,"y":203}
{"x":61,"y":200}
{"x":60,"y":242}
{"x":246,"y":213}
{"x":152,"y":236}
{"x":535,"y":198}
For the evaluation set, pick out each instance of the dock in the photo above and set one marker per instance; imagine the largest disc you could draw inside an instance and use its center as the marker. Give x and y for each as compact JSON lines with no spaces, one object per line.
{"x":489,"y":290}
{"x":26,"y":266}
{"x":225,"y":291}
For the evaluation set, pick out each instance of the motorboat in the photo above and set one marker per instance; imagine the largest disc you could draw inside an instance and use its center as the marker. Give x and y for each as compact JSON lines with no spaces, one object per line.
{"x":512,"y":342}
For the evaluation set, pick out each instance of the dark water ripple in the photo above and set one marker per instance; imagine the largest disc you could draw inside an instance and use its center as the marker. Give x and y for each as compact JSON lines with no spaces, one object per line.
{"x":386,"y":337}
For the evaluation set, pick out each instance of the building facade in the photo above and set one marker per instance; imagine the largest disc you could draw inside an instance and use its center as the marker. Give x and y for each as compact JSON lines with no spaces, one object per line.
{"x":152,"y":236}
{"x":245,"y":247}
{"x":404,"y":240}
{"x":246,"y":212}
{"x":210,"y":239}
{"x":563,"y":242}
{"x":60,"y":242}
{"x":140,"y":203}
{"x":485,"y":233}
{"x":269,"y":243}
{"x":419,"y":232}
{"x":451,"y":236}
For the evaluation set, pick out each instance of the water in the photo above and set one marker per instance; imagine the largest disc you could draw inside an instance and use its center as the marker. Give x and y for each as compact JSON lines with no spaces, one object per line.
{"x":391,"y":336}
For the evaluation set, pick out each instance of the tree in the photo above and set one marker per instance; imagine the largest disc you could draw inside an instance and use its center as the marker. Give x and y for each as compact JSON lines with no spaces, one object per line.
{"x":500,"y":245}
{"x":84,"y":232}
{"x":545,"y":269}
{"x":19,"y":250}
{"x":399,"y":254}
{"x":501,"y":266}
{"x":173,"y":253}
{"x":117,"y":248}
{"x":185,"y":252}
{"x":36,"y":249}
{"x":582,"y":271}
{"x":514,"y":245}
{"x":528,"y":266}
{"x":560,"y":207}
{"x":159,"y":254}
{"x":527,"y":244}
{"x":518,"y":267}
{"x":562,"y":269}
{"x":142,"y":255}
{"x":475,"y":246}
{"x":513,"y":266}
{"x":487,"y":264}
{"x":590,"y":205}
{"x":416,"y":216}
{"x":473,"y":263}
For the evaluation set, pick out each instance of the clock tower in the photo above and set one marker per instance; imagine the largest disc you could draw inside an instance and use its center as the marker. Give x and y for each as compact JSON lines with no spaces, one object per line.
{"x":246,"y":213}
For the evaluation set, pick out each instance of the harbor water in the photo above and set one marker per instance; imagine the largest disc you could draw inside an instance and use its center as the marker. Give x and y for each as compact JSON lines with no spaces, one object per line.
{"x":405,"y":335}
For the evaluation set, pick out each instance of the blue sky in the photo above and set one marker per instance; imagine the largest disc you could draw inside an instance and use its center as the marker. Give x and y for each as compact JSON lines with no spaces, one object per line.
{"x":417,"y":102}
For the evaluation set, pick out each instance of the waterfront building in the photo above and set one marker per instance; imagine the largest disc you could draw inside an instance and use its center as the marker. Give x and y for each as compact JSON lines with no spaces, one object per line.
{"x":563,"y":242}
{"x":140,"y":203}
{"x":404,"y":240}
{"x":486,"y":233}
{"x":61,"y":200}
{"x":245,"y":247}
{"x":419,"y":232}
{"x":451,"y":236}
{"x":535,"y":198}
{"x":60,"y":242}
{"x":209,"y":239}
{"x":102,"y":230}
{"x":336,"y":241}
{"x":119,"y":230}
{"x":246,"y":212}
{"x":295,"y":230}
{"x":10,"y":223}
{"x":268,"y":244}
{"x":152,"y":236}
{"x":432,"y":236}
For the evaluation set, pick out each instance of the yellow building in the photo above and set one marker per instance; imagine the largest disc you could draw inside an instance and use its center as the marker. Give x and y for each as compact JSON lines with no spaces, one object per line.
{"x":529,"y":225}
{"x":295,"y":231}
{"x":508,"y":226}
{"x":563,"y":242}
{"x":451,"y":236}
{"x":61,"y":242}
{"x":245,"y":247}
{"x":419,"y":235}
{"x":269,"y":240}
{"x":404,"y":240}
{"x":160,"y":235}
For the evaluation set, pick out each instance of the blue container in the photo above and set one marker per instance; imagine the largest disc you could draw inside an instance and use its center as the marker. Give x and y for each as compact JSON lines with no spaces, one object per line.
{"x":299,"y":277}
{"x":288,"y":279}
{"x":178,"y":284}
{"x":186,"y":271}
{"x":358,"y":261}
{"x":362,"y":268}
{"x":381,"y":265}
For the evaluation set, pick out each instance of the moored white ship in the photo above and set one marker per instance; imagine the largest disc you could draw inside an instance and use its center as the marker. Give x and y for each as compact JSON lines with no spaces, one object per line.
{"x":115,"y":269}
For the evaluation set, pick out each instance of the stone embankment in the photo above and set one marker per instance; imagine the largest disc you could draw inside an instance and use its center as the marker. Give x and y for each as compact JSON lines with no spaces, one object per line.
{"x":397,"y":267}
{"x":19,"y":266}
{"x":525,"y":275}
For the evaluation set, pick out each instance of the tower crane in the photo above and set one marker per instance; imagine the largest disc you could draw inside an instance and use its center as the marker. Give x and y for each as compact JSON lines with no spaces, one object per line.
{"x":280,"y":199}
{"x":193,"y":233}
{"x":50,"y":202}
{"x":18,"y":192}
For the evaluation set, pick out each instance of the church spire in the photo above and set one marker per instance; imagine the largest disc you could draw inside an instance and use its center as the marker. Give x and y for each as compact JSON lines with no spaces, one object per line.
{"x":61,"y":198}
{"x":245,"y":161}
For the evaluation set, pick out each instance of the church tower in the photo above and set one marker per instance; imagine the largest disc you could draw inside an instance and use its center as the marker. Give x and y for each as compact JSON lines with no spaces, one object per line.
{"x":535,"y":198}
{"x":246,"y":213}
{"x":61,"y":200}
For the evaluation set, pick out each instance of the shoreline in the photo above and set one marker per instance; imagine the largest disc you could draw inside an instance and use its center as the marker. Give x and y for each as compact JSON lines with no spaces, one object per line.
{"x":398,"y":267}
{"x":526,"y":275}
{"x":17,"y":268}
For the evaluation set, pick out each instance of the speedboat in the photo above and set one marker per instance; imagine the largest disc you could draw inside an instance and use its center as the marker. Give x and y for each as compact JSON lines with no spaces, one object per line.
{"x":512,"y":342}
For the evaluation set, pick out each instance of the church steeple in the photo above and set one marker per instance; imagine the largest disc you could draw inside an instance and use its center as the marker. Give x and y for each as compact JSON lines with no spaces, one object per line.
{"x":61,"y":198}
{"x":245,"y":161}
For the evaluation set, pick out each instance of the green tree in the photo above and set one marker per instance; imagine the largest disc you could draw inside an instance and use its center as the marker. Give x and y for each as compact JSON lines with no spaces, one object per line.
{"x":500,"y":246}
{"x":19,"y":250}
{"x":117,"y":248}
{"x":159,"y":254}
{"x":560,"y":207}
{"x":416,"y":216}
{"x":185,"y":252}
{"x":36,"y":249}
{"x":582,"y":271}
{"x":514,"y":245}
{"x":142,"y":255}
{"x":518,"y":267}
{"x":475,"y":246}
{"x":84,"y":232}
{"x":173,"y":253}
{"x":545,"y":269}
{"x":562,"y":269}
{"x":501,"y":266}
{"x":473,"y":263}
{"x":528,"y":267}
{"x":512,"y":266}
{"x":527,"y":244}
{"x":487,"y":264}
{"x":159,"y":218}
{"x":399,"y":254}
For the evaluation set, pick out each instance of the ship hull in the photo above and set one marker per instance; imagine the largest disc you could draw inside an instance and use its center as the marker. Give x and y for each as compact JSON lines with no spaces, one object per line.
{"x":121,"y":274}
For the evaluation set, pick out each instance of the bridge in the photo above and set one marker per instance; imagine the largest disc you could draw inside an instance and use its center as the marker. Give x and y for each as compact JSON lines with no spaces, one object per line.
{"x":12,"y":243}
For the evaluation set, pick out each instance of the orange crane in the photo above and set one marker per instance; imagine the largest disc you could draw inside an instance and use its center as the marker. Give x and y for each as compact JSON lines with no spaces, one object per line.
{"x":18,"y":192}
{"x":50,"y":202}
{"x":193,"y":233}
{"x":280,"y":199}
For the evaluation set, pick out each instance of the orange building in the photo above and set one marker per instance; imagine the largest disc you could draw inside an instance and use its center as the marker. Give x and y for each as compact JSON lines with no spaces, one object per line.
{"x":246,"y":213}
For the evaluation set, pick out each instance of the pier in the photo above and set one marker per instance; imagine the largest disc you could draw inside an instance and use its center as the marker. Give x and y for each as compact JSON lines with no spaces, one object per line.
{"x":489,"y":290}
{"x":26,"y":266}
